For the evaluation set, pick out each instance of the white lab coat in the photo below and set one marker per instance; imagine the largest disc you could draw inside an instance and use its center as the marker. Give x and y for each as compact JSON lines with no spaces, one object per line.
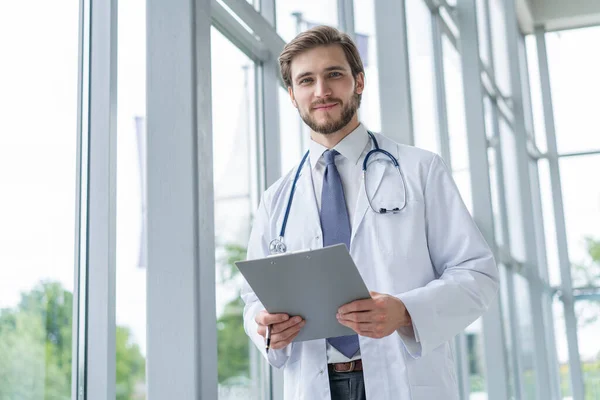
{"x":431,"y":256}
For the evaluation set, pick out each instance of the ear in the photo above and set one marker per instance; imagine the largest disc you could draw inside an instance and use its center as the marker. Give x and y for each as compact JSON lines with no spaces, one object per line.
{"x":360,"y":83}
{"x":292,"y":97}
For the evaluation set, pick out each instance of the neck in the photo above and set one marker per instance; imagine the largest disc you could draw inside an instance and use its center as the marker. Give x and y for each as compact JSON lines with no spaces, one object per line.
{"x":331,"y":139}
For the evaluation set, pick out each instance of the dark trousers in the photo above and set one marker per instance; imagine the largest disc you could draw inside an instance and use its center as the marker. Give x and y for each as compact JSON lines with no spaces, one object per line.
{"x":347,"y":385}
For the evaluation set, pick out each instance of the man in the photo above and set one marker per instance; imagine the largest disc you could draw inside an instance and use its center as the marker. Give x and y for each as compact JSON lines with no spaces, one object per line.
{"x":429,"y":270}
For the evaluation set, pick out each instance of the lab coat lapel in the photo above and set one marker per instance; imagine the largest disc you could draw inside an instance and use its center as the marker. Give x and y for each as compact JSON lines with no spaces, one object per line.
{"x":374,"y":178}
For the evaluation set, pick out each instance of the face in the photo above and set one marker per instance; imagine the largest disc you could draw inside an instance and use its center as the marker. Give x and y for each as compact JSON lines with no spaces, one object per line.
{"x":323,"y":88}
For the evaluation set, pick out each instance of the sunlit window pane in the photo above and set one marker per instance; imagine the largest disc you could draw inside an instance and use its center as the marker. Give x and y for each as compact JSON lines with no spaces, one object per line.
{"x":457,"y":126}
{"x":131,"y":209}
{"x":582,"y":213}
{"x":575,"y":83}
{"x":500,"y":46}
{"x":38,"y":142}
{"x":295,"y":16}
{"x":240,"y":371}
{"x":588,"y":326}
{"x":422,"y":75}
{"x":366,"y":41}
{"x":526,"y":337}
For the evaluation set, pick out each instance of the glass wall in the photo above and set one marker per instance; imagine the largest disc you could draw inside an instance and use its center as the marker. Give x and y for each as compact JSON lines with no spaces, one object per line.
{"x":572,"y":79}
{"x":39,"y":150}
{"x":38,"y":154}
{"x":131,"y":256}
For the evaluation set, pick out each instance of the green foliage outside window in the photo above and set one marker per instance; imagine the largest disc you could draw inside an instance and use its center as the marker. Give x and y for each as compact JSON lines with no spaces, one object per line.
{"x":233,"y":346}
{"x":36,"y":347}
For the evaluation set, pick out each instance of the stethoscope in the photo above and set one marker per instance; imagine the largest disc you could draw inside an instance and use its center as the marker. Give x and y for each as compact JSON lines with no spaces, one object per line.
{"x":277,"y":246}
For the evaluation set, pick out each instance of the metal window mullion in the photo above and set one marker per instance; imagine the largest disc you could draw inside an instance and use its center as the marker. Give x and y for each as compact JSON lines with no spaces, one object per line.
{"x":440,"y":87}
{"x":79,"y":327}
{"x":345,"y":10}
{"x":503,"y":211}
{"x":181,"y":313}
{"x":392,"y":53}
{"x":579,"y":153}
{"x":238,"y":34}
{"x":99,"y":269}
{"x":260,"y":26}
{"x":496,"y":363}
{"x":269,"y":156}
{"x":543,"y":375}
{"x":577,"y":385}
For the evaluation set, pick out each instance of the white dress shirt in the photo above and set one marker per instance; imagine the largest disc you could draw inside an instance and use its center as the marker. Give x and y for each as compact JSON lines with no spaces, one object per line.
{"x":353,"y":149}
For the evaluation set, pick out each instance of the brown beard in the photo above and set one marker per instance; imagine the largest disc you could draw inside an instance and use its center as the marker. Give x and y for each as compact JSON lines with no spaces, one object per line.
{"x":329,"y":127}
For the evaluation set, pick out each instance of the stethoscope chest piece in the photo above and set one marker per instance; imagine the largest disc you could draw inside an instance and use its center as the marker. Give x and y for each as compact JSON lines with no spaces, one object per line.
{"x":277,"y":246}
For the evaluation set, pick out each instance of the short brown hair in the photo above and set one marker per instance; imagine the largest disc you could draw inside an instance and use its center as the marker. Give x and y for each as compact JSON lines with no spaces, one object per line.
{"x":319,"y":36}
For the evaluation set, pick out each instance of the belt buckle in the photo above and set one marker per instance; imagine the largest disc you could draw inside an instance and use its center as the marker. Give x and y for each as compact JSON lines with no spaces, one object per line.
{"x":351,"y":369}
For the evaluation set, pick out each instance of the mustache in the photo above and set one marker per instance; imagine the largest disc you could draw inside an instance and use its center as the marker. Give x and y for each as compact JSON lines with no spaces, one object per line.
{"x":329,"y":101}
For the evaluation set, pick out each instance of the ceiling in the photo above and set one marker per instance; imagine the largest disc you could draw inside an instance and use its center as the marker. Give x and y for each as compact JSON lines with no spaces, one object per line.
{"x":557,"y":14}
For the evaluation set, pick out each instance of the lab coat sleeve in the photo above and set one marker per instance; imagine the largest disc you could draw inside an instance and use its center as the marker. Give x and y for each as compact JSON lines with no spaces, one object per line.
{"x":464,"y":263}
{"x":258,"y":247}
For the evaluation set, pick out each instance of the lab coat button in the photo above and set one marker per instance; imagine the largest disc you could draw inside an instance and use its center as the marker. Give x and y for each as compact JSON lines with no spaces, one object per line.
{"x":321,"y":372}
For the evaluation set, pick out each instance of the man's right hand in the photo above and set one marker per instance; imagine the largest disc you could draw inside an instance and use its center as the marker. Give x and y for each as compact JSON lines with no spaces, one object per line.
{"x":283,"y":328}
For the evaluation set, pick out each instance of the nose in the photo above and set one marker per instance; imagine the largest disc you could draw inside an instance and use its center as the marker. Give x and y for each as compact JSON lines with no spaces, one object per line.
{"x":322,"y":89}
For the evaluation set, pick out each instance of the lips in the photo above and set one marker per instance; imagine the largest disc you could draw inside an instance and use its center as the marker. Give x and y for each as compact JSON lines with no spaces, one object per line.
{"x":325,"y":107}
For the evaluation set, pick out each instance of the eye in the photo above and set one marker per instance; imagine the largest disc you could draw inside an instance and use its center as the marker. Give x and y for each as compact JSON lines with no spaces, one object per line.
{"x":305,"y":81}
{"x":335,"y":74}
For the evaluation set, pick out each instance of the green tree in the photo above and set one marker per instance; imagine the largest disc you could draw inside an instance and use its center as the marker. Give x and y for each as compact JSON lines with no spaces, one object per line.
{"x":233,"y":346}
{"x":35,"y":348}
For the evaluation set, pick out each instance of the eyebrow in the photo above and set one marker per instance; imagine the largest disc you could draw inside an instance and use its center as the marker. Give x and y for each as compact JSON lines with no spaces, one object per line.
{"x":328,"y":69}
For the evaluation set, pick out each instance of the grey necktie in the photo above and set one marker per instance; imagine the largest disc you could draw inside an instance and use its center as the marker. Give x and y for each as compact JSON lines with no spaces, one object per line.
{"x":336,"y":229}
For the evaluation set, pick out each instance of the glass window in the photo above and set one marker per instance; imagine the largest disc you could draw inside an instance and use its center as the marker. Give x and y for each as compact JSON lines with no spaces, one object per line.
{"x":539,"y":125}
{"x":549,"y":223}
{"x":482,"y":30}
{"x":476,"y":360}
{"x":131,"y":203}
{"x":236,"y":187}
{"x":495,"y":189}
{"x":575,"y":83}
{"x":457,"y":126}
{"x":366,"y":41}
{"x":588,"y":326}
{"x":295,"y":16}
{"x":422,"y":75}
{"x":562,"y":348}
{"x":582,"y":212}
{"x":500,"y":46}
{"x":294,"y":134}
{"x":505,"y":296}
{"x":512,"y":191}
{"x":526,"y":337}
{"x":38,"y":155}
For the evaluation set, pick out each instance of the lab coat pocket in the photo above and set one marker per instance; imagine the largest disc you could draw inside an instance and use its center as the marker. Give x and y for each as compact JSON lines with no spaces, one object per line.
{"x":388,"y":229}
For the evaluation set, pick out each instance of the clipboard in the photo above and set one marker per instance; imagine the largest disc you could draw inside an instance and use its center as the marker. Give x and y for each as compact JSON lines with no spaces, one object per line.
{"x":313,"y":284}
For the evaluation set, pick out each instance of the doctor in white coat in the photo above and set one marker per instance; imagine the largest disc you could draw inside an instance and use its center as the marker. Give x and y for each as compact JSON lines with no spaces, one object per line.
{"x":429,"y":269}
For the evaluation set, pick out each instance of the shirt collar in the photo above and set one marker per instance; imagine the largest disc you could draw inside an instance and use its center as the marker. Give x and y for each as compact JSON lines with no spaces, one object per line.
{"x":351,"y":147}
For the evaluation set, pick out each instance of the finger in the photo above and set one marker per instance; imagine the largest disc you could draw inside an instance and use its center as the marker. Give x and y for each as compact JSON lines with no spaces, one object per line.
{"x":362,"y":328}
{"x":362,"y":316}
{"x":282,"y":326}
{"x":358,"y":305}
{"x":264,"y":318}
{"x":282,"y":344}
{"x":289,"y":332}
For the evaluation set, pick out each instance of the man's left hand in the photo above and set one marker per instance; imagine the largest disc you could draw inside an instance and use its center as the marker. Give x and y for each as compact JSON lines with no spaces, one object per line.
{"x":377,"y":317}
